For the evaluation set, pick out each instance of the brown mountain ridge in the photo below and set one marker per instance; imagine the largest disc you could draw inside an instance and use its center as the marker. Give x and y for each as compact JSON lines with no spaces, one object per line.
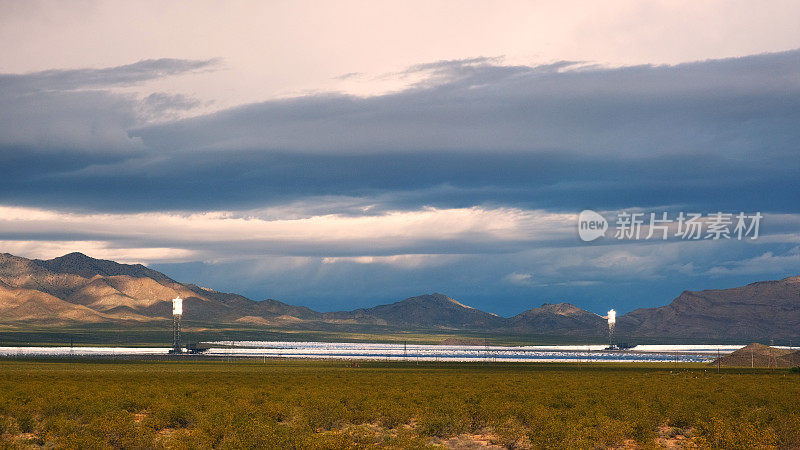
{"x":76,"y":288}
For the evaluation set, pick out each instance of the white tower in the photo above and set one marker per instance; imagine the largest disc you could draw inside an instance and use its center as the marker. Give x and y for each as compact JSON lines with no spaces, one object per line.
{"x":612,"y":322}
{"x":177,"y":313}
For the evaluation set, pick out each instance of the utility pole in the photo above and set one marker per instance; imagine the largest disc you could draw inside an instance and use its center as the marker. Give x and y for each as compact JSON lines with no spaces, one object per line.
{"x":773,"y":357}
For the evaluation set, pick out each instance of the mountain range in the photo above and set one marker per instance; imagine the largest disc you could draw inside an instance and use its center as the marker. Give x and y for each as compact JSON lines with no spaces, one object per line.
{"x":76,"y":288}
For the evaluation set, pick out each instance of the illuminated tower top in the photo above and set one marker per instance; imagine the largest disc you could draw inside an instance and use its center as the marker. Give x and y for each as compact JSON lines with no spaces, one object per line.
{"x":177,"y":306}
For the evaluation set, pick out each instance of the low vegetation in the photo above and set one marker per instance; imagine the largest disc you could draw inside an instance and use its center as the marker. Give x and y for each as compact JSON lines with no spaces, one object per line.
{"x":331,"y":404}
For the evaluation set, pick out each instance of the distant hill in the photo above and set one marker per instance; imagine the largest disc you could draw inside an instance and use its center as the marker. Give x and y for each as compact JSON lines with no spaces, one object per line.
{"x":429,"y":311}
{"x":76,"y":288}
{"x":766,"y":309}
{"x":561,"y":318}
{"x":87,"y":267}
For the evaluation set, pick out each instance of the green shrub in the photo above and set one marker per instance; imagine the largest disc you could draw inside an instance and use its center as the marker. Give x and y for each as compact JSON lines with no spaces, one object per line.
{"x":324,"y":404}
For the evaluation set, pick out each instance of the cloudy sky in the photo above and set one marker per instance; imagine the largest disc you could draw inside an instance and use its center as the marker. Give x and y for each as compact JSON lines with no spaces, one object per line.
{"x":345,"y":154}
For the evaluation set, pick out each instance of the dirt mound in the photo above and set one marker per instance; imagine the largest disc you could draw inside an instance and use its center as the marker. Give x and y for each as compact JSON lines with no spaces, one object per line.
{"x":759,"y":355}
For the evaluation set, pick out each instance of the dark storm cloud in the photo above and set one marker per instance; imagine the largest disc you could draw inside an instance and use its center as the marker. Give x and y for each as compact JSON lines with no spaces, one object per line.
{"x":56,"y":110}
{"x":711,"y":135}
{"x":721,"y":107}
{"x":60,"y":80}
{"x":248,"y":179}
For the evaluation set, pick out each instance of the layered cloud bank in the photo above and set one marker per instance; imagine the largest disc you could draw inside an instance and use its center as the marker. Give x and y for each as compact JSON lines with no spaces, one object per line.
{"x":467,"y":182}
{"x":498,"y":254}
{"x":710,"y":135}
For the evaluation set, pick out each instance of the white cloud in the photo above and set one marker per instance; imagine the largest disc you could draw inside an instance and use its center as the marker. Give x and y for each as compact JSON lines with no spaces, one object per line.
{"x":399,"y":261}
{"x":539,"y":247}
{"x":766,"y":263}
{"x":387,"y":238}
{"x":97,"y":249}
{"x":520,"y":279}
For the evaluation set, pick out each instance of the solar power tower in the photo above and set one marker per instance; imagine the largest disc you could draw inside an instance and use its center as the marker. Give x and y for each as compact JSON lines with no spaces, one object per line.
{"x":612,"y":323}
{"x":177,"y":313}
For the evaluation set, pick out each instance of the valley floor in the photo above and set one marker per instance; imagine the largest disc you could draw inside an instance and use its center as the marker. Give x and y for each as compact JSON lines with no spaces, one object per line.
{"x":159,"y":334}
{"x":332,"y":404}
